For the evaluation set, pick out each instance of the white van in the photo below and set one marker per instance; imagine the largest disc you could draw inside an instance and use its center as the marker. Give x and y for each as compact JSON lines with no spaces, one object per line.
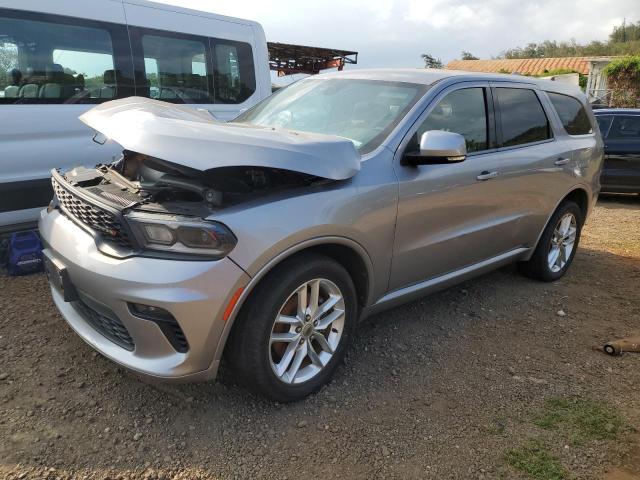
{"x":58,"y":59}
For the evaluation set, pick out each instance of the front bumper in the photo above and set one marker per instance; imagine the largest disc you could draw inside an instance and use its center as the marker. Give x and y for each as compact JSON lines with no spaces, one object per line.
{"x":196,"y":293}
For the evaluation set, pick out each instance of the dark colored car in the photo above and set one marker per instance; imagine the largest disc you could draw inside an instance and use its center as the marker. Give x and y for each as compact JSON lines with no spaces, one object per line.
{"x":620,"y":130}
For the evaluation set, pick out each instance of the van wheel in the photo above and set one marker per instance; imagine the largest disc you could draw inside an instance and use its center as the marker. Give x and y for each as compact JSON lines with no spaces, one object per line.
{"x":557,"y":246}
{"x":294,"y":332}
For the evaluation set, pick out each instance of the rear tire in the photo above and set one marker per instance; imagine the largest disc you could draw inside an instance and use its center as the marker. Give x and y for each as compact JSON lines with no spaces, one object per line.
{"x":557,"y":246}
{"x":295,"y":329}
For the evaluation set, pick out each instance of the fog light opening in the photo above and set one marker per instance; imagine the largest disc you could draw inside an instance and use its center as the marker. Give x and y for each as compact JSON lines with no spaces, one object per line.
{"x":165,"y":321}
{"x":151,"y":313}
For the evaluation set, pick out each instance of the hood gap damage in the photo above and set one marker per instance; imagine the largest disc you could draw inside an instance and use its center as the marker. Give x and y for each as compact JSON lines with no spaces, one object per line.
{"x":145,"y":183}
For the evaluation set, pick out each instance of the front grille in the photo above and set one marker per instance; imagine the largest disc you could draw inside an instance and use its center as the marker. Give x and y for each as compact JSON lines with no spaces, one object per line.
{"x":97,"y":219}
{"x":104,"y":321}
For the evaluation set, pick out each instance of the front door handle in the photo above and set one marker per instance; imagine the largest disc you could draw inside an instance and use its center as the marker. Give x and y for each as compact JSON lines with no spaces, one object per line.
{"x":487,"y":175}
{"x":561,"y":161}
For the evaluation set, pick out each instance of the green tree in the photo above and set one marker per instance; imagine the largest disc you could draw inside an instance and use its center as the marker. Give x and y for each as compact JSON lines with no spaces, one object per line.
{"x":431,"y":61}
{"x":625,"y":33}
{"x":623,"y":40}
{"x":8,"y":56}
{"x":8,"y":61}
{"x":468,"y":56}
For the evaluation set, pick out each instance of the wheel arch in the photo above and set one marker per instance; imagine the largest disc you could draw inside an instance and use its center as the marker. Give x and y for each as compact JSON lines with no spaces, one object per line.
{"x":348,"y":253}
{"x":580,"y":196}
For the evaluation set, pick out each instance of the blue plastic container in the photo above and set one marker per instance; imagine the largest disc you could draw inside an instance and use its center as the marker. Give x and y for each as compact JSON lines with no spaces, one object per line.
{"x":24,"y":254}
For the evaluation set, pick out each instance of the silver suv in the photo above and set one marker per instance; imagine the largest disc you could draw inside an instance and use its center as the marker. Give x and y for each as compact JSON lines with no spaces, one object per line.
{"x":267,"y":238}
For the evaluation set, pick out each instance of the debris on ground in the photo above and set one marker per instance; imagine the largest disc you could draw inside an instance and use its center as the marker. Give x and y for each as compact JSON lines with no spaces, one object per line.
{"x":617,"y":347}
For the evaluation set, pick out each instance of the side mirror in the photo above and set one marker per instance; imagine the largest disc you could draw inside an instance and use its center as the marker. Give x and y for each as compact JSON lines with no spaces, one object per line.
{"x":438,"y":147}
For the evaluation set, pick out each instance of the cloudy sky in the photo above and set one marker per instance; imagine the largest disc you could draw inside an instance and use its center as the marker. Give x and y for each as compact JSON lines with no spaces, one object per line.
{"x":395,"y":32}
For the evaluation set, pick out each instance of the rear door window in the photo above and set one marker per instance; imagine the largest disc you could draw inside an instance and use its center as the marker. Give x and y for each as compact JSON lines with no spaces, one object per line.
{"x":462,"y":111}
{"x":522,"y":119}
{"x":572,"y":114}
{"x":43,"y":60}
{"x":625,"y":127}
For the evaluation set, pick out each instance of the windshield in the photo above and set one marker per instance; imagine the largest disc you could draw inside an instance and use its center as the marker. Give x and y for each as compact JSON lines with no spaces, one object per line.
{"x":364,"y":111}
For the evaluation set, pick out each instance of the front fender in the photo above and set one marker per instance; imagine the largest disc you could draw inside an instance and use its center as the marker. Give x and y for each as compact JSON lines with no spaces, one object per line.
{"x":275,"y":261}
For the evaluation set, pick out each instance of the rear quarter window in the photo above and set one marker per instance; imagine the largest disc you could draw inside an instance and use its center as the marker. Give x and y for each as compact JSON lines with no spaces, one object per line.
{"x":572,"y":114}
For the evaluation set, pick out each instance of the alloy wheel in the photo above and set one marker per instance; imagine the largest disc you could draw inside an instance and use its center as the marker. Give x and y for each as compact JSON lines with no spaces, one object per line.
{"x":562,"y":242}
{"x":307,"y":331}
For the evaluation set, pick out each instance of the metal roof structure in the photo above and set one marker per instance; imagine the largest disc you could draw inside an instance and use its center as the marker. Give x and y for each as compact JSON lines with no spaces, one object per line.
{"x":430,"y":76}
{"x":288,"y":59}
{"x":524,"y":66}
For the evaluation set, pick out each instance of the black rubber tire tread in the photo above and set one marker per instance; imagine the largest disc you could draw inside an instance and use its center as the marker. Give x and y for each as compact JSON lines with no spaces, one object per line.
{"x":250,"y":335}
{"x":537,"y":266}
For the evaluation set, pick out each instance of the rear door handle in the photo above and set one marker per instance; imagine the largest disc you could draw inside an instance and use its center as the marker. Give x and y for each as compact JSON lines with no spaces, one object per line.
{"x":487,"y":175}
{"x":561,"y":161}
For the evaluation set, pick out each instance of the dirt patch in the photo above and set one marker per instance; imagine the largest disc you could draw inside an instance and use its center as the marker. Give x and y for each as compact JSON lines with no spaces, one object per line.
{"x":631,"y":469}
{"x":443,"y":387}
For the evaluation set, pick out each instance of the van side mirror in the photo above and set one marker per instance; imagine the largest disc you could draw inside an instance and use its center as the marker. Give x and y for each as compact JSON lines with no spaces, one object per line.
{"x":438,"y":147}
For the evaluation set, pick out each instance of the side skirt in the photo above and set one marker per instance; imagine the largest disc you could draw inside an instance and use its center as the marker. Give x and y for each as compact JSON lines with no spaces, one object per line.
{"x":406,"y":294}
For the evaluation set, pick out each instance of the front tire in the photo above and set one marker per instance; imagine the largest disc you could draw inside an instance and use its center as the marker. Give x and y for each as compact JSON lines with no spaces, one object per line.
{"x":557,"y":246}
{"x":294,"y":331}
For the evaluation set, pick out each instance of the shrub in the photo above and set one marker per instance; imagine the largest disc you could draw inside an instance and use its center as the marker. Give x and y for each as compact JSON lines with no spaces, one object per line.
{"x":629,"y":66}
{"x":623,"y":78}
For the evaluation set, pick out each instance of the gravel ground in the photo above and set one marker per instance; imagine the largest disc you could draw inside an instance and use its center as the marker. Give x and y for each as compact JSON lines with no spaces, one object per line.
{"x":439,"y":388}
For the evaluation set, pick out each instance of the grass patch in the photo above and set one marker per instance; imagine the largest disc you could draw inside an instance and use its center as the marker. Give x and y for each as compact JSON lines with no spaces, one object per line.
{"x":534,"y":460}
{"x":581,"y":419}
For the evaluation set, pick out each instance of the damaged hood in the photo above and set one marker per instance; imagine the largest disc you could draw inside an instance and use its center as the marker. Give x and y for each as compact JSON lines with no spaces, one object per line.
{"x":192,"y":138}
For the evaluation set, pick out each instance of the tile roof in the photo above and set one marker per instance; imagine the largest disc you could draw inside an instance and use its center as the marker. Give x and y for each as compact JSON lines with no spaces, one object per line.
{"x":533,"y":66}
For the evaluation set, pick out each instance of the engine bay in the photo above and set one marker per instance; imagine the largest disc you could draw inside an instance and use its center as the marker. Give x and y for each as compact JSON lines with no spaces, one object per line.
{"x":147,"y":183}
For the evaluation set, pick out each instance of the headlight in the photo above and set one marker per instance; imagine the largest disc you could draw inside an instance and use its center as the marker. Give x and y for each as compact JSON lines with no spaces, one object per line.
{"x":182,"y":235}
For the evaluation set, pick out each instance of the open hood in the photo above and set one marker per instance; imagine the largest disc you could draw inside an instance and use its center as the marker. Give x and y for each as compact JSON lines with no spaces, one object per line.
{"x":192,"y":138}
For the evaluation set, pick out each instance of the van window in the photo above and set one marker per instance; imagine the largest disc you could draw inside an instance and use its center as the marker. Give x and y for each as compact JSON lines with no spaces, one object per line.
{"x":462,"y":111}
{"x":46,"y":62}
{"x":522,"y":118}
{"x":625,"y":127}
{"x":572,"y":114}
{"x":175,"y":68}
{"x":234,"y":76}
